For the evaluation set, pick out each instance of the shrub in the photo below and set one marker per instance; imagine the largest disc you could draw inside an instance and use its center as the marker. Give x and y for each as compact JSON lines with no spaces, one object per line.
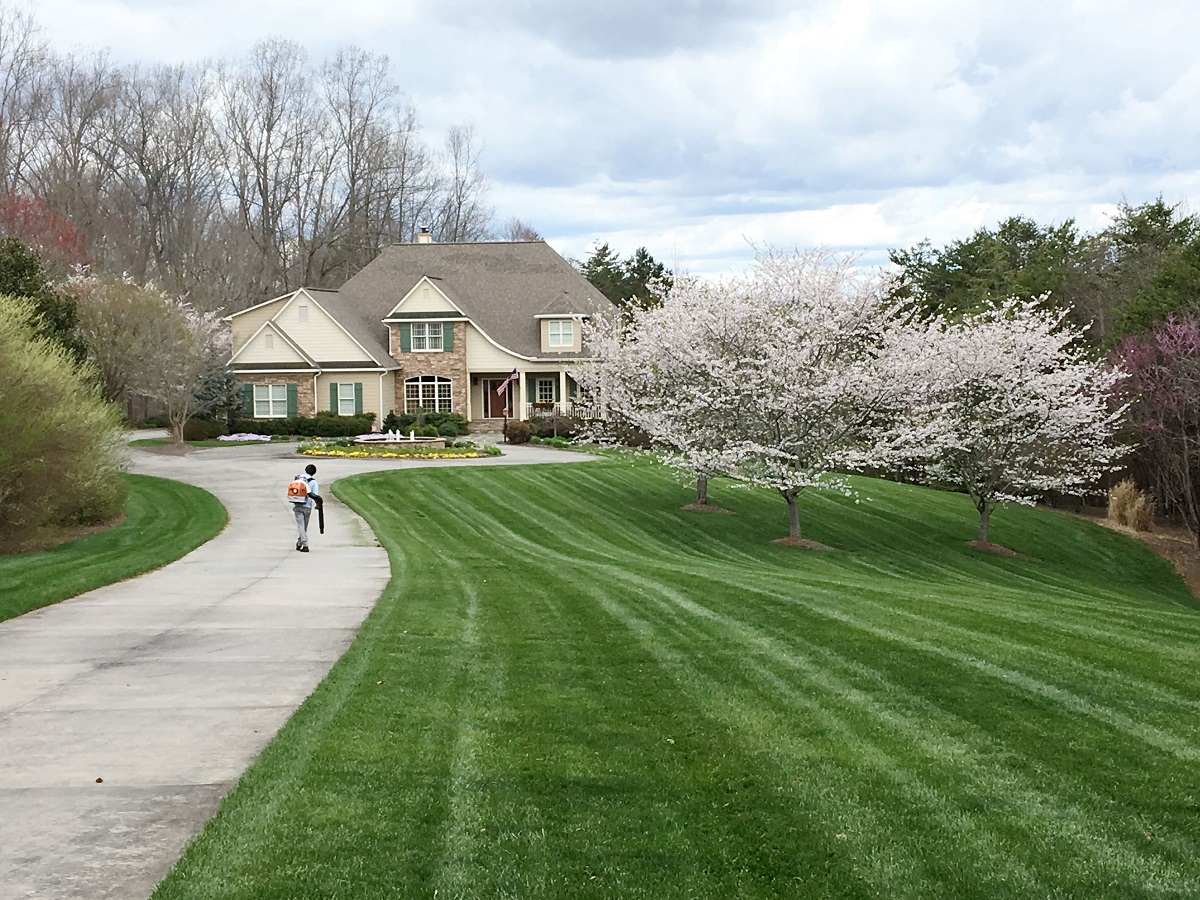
{"x":160,"y":421}
{"x":553,"y":426}
{"x":203,"y":429}
{"x":60,"y":443}
{"x":317,"y":426}
{"x":1130,"y":507}
{"x":517,"y":432}
{"x":444,"y":423}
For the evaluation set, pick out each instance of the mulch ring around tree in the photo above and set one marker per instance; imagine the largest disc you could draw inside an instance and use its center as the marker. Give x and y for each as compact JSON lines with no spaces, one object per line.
{"x":708,"y":507}
{"x":989,"y":547}
{"x":49,"y":538}
{"x":803,"y":543}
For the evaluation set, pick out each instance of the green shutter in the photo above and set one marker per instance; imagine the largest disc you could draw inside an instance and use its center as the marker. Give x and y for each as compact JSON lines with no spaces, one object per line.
{"x":447,"y":336}
{"x":358,"y":398}
{"x":333,"y":398}
{"x":405,"y":337}
{"x":572,"y":388}
{"x":248,"y":401}
{"x":293,"y":403}
{"x":531,"y":389}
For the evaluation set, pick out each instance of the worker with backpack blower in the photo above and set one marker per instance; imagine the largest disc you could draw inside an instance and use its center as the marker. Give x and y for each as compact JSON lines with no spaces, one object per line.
{"x":304,"y":493}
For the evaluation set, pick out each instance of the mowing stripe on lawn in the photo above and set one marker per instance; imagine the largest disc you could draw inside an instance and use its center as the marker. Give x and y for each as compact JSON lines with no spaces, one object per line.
{"x":574,"y":688}
{"x":164,"y":520}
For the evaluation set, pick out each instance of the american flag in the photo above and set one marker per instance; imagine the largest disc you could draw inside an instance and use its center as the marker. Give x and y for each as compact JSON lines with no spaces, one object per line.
{"x":503,"y":386}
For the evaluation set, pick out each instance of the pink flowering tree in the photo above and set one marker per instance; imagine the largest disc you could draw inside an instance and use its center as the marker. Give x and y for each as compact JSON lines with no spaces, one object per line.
{"x":1164,"y":388}
{"x":1003,"y":404}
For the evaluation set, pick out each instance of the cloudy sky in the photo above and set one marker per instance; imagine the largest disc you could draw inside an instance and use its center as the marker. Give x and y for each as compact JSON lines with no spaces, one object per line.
{"x":698,"y":127}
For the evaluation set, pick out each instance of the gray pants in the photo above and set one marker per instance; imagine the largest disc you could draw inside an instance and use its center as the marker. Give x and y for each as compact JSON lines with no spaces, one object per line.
{"x":302,"y":512}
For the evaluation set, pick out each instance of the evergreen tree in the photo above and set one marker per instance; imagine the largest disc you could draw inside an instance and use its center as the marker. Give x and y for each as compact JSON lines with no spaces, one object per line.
{"x":637,"y":282}
{"x":23,"y":275}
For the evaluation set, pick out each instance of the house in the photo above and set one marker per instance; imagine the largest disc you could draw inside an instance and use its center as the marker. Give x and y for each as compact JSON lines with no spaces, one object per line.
{"x":434,"y":326}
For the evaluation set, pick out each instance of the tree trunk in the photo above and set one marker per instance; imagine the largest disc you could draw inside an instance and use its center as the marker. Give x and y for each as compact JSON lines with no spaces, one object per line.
{"x":985,"y":512}
{"x":702,"y":490}
{"x":793,"y":514}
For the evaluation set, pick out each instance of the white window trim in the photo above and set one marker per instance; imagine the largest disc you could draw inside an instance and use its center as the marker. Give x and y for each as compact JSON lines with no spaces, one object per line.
{"x":556,"y":340}
{"x":342,"y":399}
{"x":434,"y":383}
{"x":270,"y":401}
{"x":427,"y":327}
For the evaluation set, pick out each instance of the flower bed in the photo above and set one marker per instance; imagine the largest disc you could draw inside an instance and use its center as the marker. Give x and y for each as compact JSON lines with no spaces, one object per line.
{"x":351,"y":450}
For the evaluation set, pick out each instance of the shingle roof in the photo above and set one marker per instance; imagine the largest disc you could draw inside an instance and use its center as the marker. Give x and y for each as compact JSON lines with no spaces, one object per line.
{"x":364,"y":327}
{"x":499,"y":285}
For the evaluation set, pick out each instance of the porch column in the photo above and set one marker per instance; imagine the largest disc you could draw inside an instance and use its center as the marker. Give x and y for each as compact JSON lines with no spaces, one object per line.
{"x":562,"y":392}
{"x":518,"y":407}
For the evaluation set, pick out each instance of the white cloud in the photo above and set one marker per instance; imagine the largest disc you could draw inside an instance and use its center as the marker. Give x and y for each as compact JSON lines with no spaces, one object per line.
{"x":690,"y":126}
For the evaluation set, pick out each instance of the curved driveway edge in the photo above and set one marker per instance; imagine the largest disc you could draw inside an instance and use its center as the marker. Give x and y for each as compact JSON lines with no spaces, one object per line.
{"x":128,"y":712}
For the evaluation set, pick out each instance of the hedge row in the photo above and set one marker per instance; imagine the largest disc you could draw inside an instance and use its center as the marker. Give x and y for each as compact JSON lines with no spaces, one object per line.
{"x":305,"y":426}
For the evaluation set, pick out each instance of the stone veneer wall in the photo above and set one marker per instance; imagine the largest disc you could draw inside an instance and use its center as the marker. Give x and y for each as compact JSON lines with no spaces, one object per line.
{"x":305,"y":401}
{"x":450,"y":364}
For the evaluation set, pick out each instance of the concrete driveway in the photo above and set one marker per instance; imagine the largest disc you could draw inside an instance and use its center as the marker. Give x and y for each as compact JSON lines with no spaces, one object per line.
{"x":128,"y":712}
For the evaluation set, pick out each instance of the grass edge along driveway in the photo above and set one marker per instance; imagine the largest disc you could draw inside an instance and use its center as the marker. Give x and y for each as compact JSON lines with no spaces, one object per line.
{"x":574,"y":688}
{"x":164,"y":520}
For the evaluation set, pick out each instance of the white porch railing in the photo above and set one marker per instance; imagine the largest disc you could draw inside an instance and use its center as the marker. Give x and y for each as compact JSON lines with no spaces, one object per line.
{"x":573,"y":410}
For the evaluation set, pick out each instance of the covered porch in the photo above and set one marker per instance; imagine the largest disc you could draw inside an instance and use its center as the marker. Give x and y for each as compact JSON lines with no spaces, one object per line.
{"x":498,"y":395}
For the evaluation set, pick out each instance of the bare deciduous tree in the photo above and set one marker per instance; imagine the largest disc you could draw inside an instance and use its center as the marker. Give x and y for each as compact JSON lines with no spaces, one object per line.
{"x":23,"y":59}
{"x":230,"y":182}
{"x":463,"y":215}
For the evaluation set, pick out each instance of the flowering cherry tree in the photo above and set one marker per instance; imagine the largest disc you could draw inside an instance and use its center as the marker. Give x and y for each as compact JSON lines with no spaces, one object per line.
{"x":764,"y":379}
{"x":1004,"y":404}
{"x":656,"y":372}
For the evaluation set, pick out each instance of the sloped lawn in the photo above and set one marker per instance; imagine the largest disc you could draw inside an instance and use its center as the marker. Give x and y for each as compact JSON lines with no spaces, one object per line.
{"x":574,"y":688}
{"x":164,"y":520}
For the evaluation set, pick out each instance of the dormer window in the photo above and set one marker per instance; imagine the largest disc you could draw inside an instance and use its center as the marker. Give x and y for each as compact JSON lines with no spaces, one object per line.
{"x":560,"y":333}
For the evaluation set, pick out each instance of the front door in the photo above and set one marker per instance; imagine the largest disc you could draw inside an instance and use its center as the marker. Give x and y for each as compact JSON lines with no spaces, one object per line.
{"x":494,"y":403}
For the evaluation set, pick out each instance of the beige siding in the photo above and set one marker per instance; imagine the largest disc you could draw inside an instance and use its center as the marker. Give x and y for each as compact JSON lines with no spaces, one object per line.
{"x":373,"y":398}
{"x":425,"y":298}
{"x":256,"y":351}
{"x":319,"y":336}
{"x":576,"y":335}
{"x":484,"y":356}
{"x":242,"y":327}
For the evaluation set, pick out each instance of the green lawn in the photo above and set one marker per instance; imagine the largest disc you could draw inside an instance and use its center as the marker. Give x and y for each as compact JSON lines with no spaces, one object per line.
{"x":574,"y":688}
{"x":163,"y":521}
